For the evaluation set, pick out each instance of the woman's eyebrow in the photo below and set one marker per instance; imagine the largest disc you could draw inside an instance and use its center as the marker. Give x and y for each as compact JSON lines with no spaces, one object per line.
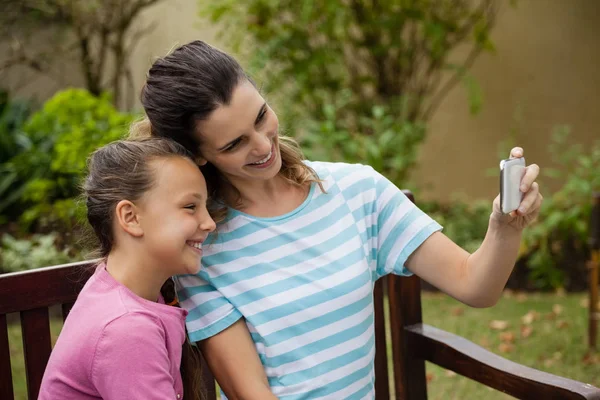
{"x":229,"y":144}
{"x":262,"y":109}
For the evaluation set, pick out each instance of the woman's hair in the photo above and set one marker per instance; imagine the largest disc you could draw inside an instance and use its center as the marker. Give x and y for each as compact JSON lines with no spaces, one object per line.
{"x":184,"y":88}
{"x":122,"y":170}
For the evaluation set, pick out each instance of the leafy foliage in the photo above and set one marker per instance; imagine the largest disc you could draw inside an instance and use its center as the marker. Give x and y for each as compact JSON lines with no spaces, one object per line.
{"x":390,"y":149}
{"x":100,"y":34}
{"x":382,"y":51}
{"x":56,"y":143}
{"x":357,"y":81}
{"x":39,"y":251}
{"x":13,"y":115}
{"x":558,"y":243}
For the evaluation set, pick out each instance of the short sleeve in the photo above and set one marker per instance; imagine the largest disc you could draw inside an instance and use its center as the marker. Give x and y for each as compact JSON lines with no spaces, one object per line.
{"x":131,"y":360}
{"x":209,"y":312}
{"x":398,"y":228}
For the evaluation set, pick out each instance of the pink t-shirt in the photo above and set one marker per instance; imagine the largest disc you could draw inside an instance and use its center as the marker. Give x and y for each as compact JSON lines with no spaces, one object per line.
{"x":116,"y":345}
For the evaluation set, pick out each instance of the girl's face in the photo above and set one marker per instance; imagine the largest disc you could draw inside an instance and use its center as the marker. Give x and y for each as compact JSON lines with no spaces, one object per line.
{"x":173,"y":215}
{"x":240,"y":139}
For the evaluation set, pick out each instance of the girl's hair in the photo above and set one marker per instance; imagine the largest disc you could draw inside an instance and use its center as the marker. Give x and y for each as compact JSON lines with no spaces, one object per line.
{"x":184,"y":88}
{"x":122,"y":170}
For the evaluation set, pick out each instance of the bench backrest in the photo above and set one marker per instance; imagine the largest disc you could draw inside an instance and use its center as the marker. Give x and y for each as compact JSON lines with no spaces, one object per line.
{"x":32,"y":293}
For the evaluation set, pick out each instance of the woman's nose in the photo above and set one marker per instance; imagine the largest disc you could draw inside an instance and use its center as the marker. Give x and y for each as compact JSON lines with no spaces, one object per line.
{"x":262,"y":145}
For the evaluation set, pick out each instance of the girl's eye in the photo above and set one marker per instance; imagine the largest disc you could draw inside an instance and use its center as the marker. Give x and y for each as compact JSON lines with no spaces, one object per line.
{"x":190,"y":207}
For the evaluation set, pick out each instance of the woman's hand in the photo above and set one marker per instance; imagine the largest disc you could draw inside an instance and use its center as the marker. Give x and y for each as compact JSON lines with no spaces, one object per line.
{"x":532,"y":199}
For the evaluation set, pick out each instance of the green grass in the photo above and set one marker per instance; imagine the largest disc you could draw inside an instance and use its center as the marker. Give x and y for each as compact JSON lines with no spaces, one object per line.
{"x":557,"y":342}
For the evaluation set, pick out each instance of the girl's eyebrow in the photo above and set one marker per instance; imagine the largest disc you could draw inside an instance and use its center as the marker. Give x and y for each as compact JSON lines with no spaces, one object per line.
{"x":196,"y":195}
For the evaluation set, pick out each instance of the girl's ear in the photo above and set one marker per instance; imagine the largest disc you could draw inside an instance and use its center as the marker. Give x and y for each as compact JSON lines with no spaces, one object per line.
{"x":127,"y":216}
{"x":201,"y":160}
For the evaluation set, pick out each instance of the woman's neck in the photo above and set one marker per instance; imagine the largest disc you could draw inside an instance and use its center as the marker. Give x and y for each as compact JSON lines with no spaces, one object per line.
{"x":135,"y":274}
{"x":269,"y":198}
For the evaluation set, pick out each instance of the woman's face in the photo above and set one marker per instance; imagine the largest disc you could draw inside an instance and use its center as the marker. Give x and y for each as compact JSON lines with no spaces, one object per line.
{"x":240,"y":139}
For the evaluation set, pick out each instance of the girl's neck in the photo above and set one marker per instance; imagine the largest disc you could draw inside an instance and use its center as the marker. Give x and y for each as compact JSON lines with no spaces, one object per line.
{"x":135,"y":274}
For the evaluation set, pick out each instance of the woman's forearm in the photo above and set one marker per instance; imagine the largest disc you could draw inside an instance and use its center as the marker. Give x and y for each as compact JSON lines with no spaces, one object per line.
{"x":489,"y":267}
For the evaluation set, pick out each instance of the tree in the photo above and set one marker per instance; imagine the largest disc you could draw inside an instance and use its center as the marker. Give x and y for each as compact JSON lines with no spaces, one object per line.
{"x":380,"y":49}
{"x":99,"y":32}
{"x":370,"y":72}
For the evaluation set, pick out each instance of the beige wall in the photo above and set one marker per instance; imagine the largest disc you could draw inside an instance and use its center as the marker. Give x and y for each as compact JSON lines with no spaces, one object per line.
{"x":543,"y":74}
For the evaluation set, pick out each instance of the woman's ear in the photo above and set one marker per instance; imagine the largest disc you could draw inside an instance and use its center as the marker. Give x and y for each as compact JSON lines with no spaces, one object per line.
{"x":128,"y":218}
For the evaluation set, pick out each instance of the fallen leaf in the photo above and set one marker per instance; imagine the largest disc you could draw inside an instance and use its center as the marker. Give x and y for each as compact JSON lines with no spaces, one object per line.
{"x":561,"y":292}
{"x":557,"y":355}
{"x":506,"y":348}
{"x":550,"y":316}
{"x":484,"y":342}
{"x":561,"y":324}
{"x":526,"y":331}
{"x":590,"y":358}
{"x":450,"y":374}
{"x":548,"y":363}
{"x":429,"y":377}
{"x":499,"y":325}
{"x":509,"y":294}
{"x":531,"y":316}
{"x":507,"y":337}
{"x":457,"y":311}
{"x":521,"y":297}
{"x":585,"y":302}
{"x":557,"y":309}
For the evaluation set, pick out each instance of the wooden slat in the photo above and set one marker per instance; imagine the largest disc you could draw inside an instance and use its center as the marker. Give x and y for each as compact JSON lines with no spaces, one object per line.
{"x":405,"y":309}
{"x":404,"y":295}
{"x":6,"y":386}
{"x":35,"y":325}
{"x":66,"y":309}
{"x":382,"y":385}
{"x":595,"y":222}
{"x":42,"y":287}
{"x":466,"y":358}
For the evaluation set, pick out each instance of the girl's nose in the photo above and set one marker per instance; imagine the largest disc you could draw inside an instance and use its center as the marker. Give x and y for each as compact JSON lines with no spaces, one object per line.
{"x":208,"y":224}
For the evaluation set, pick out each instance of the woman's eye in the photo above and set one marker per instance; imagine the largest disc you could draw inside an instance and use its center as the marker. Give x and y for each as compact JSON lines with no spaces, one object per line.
{"x":233,"y":145}
{"x":261,"y":116}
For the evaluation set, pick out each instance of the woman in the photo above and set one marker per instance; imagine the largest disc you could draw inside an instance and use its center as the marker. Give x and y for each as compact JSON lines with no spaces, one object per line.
{"x":299,"y":244}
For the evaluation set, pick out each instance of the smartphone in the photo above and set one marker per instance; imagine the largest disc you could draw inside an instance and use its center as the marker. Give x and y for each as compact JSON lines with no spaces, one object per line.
{"x":511,"y":173}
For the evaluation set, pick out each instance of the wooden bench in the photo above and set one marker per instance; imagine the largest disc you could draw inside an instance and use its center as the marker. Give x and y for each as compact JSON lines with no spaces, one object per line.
{"x":31,"y":293}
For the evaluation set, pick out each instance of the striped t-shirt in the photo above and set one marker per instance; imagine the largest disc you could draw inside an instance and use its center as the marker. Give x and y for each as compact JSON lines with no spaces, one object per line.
{"x":304,"y":281}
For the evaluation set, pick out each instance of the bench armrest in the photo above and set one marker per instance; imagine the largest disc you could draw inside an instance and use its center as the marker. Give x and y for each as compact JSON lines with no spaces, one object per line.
{"x":468,"y":359}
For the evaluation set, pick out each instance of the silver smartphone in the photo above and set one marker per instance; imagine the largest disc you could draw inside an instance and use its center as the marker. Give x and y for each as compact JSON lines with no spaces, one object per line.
{"x":511,"y":173}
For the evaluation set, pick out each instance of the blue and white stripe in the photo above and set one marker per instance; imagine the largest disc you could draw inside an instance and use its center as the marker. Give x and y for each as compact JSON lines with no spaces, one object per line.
{"x":304,"y":281}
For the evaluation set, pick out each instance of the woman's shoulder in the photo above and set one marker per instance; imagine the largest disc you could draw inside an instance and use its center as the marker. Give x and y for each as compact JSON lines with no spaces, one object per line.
{"x":340,"y":169}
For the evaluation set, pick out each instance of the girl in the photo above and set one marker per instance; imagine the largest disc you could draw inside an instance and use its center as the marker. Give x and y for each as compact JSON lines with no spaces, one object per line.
{"x":146,"y":202}
{"x":301,"y":243}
